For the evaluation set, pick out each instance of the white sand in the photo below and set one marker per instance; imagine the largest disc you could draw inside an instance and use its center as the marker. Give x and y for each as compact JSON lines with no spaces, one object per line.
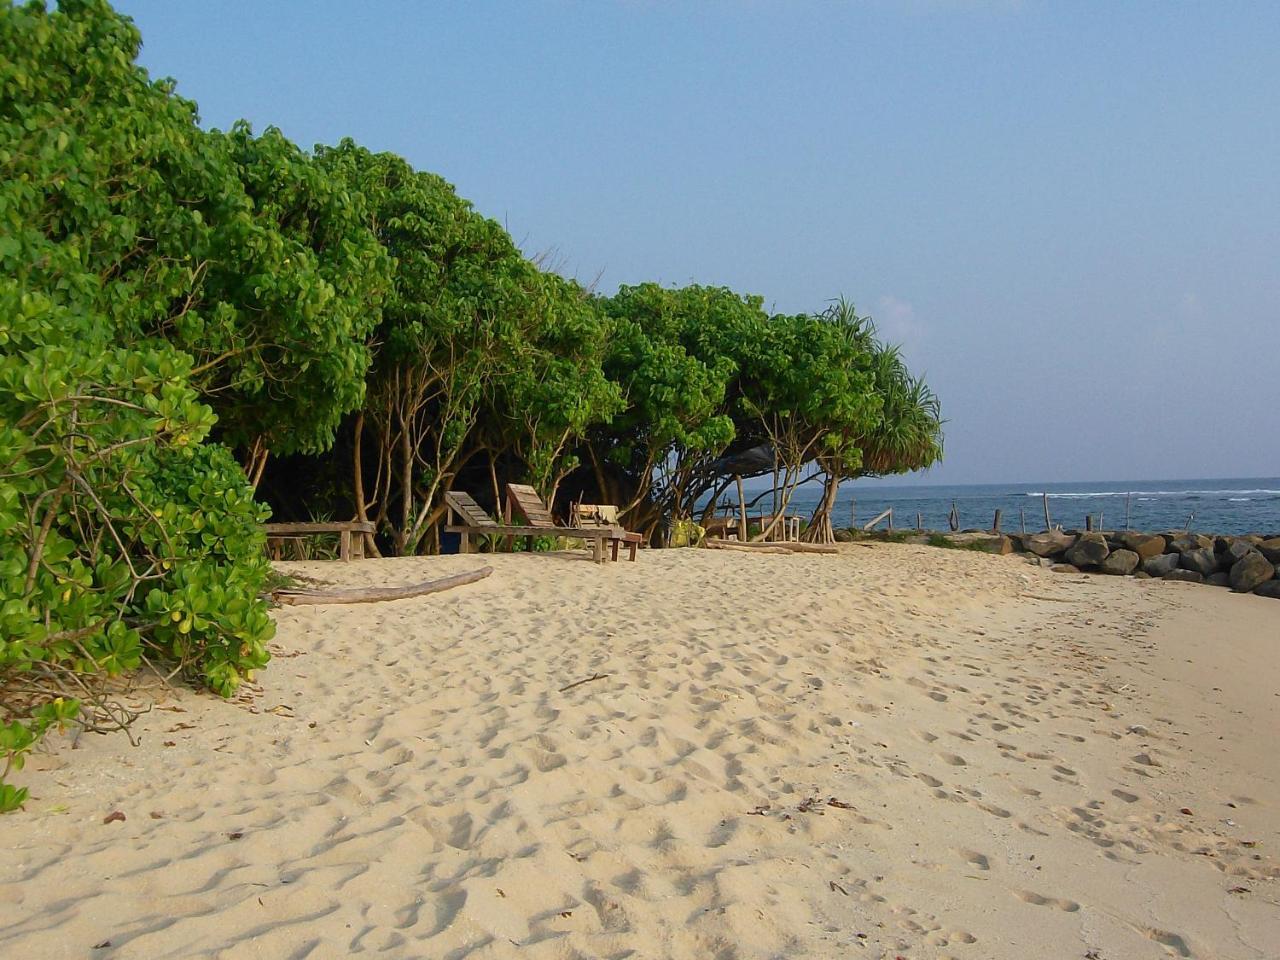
{"x":1007,"y":770}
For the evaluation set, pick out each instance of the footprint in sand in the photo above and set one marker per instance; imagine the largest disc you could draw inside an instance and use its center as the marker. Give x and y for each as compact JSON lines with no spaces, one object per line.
{"x":1026,"y":896}
{"x":975,"y":858}
{"x":1172,"y":943}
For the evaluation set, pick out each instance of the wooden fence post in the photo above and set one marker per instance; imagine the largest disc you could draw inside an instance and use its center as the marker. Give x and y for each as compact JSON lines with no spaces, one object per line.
{"x":742,"y":510}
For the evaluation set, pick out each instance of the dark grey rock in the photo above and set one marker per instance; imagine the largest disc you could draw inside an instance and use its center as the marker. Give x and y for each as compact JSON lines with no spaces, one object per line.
{"x":1201,"y":561}
{"x":1251,"y":571}
{"x":1230,"y":551}
{"x":844,"y":536}
{"x":1271,"y":549}
{"x":1064,"y":568}
{"x":1186,"y":576}
{"x":1159,"y":566}
{"x":1186,"y":542}
{"x":1269,"y":589}
{"x":1219,"y":579}
{"x":1121,"y":562}
{"x":1142,"y":575}
{"x":1088,"y":551}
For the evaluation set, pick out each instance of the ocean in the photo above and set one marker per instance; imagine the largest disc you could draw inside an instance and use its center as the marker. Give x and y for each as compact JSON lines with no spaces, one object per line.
{"x":1243,"y":505}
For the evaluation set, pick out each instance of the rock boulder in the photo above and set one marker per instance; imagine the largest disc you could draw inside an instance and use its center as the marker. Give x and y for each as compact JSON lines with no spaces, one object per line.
{"x":1202,"y":561}
{"x":1051,"y":544}
{"x":1271,"y":549}
{"x":1231,"y":551}
{"x":1269,"y":589}
{"x":1088,"y":551}
{"x":1145,"y":545}
{"x":1159,"y":566}
{"x":1121,"y":562}
{"x":1064,"y":568}
{"x":1190,"y":541}
{"x":1186,"y":576}
{"x":1250,"y":572}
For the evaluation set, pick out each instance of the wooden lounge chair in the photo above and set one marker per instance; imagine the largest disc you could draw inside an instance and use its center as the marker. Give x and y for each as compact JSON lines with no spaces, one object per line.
{"x":473,"y":520}
{"x":604,"y":516}
{"x":523,"y":500}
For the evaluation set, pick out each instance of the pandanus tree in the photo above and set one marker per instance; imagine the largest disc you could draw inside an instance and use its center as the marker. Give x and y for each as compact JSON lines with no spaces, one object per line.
{"x":903,"y":434}
{"x":809,"y":395}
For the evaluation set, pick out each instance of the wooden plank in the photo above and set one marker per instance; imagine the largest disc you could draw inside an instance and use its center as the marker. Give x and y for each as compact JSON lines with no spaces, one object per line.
{"x":374,"y":594}
{"x":465,"y":506}
{"x":502,"y":530}
{"x":888,"y":512}
{"x":304,"y":529}
{"x":526,"y":500}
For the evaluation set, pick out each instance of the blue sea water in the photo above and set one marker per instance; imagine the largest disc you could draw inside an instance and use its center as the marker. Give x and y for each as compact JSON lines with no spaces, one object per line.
{"x":1240,"y":505}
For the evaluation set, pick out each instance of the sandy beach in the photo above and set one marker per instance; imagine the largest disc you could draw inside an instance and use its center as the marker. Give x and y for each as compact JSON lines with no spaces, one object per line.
{"x":894,"y":752}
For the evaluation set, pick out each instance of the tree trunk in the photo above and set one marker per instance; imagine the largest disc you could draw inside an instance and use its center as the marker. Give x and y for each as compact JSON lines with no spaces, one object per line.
{"x":357,"y":476}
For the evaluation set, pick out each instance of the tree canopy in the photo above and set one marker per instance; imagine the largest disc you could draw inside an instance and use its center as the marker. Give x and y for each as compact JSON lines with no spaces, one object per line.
{"x":198,"y":327}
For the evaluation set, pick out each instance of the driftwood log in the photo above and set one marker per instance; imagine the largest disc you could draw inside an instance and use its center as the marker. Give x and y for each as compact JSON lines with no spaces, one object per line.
{"x":808,"y":547}
{"x":375,"y":594}
{"x":712,"y":544}
{"x":773,"y":546}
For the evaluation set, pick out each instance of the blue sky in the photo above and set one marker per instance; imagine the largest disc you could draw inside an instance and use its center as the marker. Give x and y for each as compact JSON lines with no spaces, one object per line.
{"x":1068,"y":213}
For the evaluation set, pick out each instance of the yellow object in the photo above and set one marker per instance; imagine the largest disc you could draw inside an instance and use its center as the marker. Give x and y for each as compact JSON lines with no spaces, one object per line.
{"x":686,"y":533}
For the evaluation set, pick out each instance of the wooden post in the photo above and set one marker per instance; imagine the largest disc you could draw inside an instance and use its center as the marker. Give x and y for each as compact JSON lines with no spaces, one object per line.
{"x":1126,"y":509}
{"x":1048,"y":522}
{"x":953,"y":519}
{"x":995,"y":524}
{"x":1101,"y":514}
{"x":853,"y":513}
{"x":1022,"y":520}
{"x":344,"y":545}
{"x":886,"y":513}
{"x":1088,"y":522}
{"x":742,"y":509}
{"x":919,"y":524}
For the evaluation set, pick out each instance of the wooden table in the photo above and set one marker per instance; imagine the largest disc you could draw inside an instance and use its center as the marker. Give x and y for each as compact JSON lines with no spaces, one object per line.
{"x":349,"y":548}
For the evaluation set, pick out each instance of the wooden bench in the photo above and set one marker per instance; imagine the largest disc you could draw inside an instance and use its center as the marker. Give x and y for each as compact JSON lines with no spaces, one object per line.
{"x":603,"y":516}
{"x":524,"y":499}
{"x":349,"y":548}
{"x":472,"y":520}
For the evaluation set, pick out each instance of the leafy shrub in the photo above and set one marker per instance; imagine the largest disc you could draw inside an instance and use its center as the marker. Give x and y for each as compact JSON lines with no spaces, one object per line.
{"x":122,"y":535}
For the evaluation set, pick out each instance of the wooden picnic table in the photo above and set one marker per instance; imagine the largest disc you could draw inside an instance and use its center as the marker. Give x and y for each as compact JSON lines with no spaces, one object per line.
{"x":349,"y":548}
